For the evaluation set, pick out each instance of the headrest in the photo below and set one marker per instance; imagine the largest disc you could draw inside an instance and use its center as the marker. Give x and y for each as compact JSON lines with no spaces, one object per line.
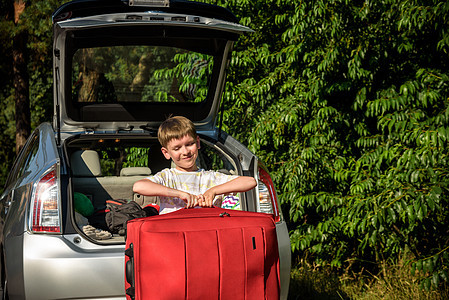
{"x":86,"y":163}
{"x":135,"y":171}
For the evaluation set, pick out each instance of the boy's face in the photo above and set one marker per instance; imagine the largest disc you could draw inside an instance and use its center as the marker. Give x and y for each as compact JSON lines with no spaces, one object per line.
{"x":183,"y":152}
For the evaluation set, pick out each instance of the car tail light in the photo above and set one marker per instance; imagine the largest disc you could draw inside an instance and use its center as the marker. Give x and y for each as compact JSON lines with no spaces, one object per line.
{"x":45,"y":204}
{"x":268,"y":202}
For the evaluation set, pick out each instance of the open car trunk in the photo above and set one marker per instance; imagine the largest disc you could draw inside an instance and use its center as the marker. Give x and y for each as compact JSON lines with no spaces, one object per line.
{"x":105,"y":167}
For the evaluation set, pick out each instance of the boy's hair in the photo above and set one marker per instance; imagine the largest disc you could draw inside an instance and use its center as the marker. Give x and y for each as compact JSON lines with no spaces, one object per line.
{"x":175,"y":128}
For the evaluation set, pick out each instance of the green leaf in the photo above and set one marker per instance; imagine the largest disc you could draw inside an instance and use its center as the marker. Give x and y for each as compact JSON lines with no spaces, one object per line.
{"x":419,"y":265}
{"x":435,"y":280}
{"x":427,"y":284}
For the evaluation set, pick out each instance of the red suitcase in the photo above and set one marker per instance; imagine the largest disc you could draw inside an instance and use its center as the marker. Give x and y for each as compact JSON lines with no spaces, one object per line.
{"x":204,"y":253}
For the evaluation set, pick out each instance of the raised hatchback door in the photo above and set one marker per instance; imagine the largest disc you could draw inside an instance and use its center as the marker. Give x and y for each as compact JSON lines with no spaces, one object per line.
{"x":130,"y":67}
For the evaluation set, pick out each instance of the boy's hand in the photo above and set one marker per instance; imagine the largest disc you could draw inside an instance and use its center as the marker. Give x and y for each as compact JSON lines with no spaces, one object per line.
{"x":207,"y":199}
{"x":189,"y":199}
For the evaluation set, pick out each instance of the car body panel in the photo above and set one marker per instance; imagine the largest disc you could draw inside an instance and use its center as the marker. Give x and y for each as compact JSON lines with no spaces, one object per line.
{"x":83,"y":8}
{"x":284,"y":257}
{"x":15,"y":200}
{"x":155,"y":18}
{"x":19,"y":192}
{"x":89,"y":271}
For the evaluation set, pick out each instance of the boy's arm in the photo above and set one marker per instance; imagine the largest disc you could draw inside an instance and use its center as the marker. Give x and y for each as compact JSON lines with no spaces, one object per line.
{"x":239,"y":184}
{"x":146,"y":187}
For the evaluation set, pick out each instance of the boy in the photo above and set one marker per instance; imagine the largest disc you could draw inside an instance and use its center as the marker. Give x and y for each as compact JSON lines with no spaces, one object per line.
{"x":186,"y":185}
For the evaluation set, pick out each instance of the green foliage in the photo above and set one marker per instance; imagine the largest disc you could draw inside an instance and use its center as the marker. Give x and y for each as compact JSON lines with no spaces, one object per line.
{"x":113,"y":159}
{"x":136,"y":157}
{"x":192,"y":71}
{"x":36,"y":21}
{"x":347,"y":102}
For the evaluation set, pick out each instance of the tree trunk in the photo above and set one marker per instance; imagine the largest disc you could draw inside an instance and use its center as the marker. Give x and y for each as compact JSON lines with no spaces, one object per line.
{"x":21,"y":81}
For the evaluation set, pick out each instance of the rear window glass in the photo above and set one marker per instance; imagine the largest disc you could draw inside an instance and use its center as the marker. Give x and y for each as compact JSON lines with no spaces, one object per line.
{"x":113,"y":159}
{"x":140,"y":74}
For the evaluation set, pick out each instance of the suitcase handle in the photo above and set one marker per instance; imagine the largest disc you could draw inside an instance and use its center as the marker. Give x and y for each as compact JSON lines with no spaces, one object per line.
{"x":129,"y":271}
{"x":223,"y":214}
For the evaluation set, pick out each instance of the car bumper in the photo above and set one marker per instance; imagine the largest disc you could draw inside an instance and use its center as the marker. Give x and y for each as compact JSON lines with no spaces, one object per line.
{"x":70,"y":267}
{"x":284,"y":257}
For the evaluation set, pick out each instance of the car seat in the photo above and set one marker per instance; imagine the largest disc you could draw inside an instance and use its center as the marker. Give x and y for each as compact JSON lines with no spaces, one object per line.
{"x":85,"y":163}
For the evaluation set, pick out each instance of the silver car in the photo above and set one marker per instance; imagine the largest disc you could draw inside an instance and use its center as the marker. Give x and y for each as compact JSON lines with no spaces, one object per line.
{"x":120,"y":69}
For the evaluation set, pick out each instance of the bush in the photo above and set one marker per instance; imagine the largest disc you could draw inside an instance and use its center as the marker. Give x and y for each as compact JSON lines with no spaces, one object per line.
{"x":347,"y":103}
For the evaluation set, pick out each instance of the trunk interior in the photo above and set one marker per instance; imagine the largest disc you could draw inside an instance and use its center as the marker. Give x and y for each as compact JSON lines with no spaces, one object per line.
{"x":105,"y":167}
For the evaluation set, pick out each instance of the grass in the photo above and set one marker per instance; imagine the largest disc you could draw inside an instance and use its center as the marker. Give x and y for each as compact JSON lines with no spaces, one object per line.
{"x":395,"y":283}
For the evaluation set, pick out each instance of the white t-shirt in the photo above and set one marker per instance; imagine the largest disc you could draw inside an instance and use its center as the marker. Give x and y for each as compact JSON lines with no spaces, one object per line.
{"x":195,"y":183}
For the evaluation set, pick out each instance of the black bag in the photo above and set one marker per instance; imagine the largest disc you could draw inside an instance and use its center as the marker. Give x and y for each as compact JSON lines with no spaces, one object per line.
{"x":98,"y":219}
{"x":119,"y":211}
{"x":114,"y":216}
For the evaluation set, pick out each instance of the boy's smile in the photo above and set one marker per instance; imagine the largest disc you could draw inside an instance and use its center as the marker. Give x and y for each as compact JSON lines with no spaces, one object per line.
{"x":183,"y":152}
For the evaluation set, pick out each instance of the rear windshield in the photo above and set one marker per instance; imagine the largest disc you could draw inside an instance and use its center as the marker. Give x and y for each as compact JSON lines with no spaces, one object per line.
{"x":140,"y":73}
